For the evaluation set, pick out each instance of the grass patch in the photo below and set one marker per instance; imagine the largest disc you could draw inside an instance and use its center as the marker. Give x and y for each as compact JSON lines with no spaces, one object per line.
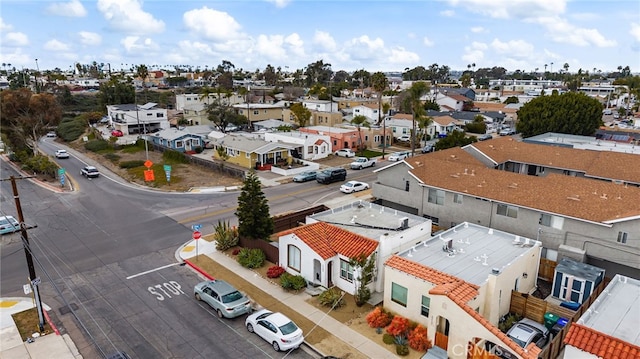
{"x":369,"y":153}
{"x":160,"y":177}
{"x":28,"y":323}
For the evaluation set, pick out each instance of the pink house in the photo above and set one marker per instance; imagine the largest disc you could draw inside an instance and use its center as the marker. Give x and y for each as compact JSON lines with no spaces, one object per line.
{"x":340,"y":137}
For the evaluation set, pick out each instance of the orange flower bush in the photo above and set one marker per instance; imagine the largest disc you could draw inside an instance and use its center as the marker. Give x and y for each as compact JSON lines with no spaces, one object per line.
{"x":378,"y":318}
{"x":399,"y":326}
{"x":418,"y":339}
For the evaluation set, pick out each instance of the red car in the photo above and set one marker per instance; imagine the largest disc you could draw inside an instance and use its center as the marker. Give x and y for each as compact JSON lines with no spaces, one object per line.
{"x":117,"y":133}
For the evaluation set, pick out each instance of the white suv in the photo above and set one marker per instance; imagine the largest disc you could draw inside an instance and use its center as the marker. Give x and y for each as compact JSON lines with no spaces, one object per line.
{"x":345,"y":152}
{"x":62,"y":154}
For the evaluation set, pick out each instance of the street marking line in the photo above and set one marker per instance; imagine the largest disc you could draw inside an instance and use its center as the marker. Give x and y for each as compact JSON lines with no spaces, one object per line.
{"x":152,"y":270}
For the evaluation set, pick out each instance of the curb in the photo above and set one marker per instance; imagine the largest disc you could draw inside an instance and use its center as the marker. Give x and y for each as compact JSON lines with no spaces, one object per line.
{"x":199,"y":270}
{"x":48,"y":319}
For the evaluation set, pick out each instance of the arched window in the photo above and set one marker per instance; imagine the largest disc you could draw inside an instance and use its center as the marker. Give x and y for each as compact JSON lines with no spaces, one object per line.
{"x":293,"y":258}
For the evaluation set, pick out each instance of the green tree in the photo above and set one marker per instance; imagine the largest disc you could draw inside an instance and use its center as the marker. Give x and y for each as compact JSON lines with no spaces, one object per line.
{"x":455,"y":139}
{"x":379,"y":83}
{"x":27,"y":116}
{"x":253,"y":210}
{"x":511,"y":99}
{"x":360,"y":121}
{"x":363,"y":268}
{"x":477,"y":126}
{"x":116,"y":91}
{"x":221,"y":114}
{"x":571,"y":113}
{"x":301,"y":114}
{"x":414,"y":101}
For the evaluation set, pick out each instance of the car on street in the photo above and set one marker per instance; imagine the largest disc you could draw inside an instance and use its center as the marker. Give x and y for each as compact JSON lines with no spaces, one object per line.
{"x":276,"y":329}
{"x":486,"y":136}
{"x":51,"y":134}
{"x":345,"y":152}
{"x":8,"y":224}
{"x":362,"y":162}
{"x":117,"y":133}
{"x":398,"y":156}
{"x":353,"y":186}
{"x":524,"y":333}
{"x":331,"y":175}
{"x":507,"y":132}
{"x":305,"y":176}
{"x":90,"y":172}
{"x":226,"y":300}
{"x":62,"y":154}
{"x":428,"y":148}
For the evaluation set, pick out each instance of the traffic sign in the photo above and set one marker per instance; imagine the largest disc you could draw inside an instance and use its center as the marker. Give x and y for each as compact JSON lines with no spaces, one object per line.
{"x":26,"y":288}
{"x":149,"y":176}
{"x":196,"y":227}
{"x":167,"y":168}
{"x":62,"y":180}
{"x":197,"y":234}
{"x":61,"y":171}
{"x":35,"y":281}
{"x":148,"y":163}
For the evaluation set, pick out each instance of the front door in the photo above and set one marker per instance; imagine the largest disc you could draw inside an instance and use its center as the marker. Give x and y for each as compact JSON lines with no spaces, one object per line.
{"x":330,"y":274}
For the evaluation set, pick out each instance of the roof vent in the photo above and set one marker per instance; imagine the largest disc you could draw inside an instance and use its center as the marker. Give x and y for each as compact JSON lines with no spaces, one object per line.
{"x":574,"y":198}
{"x":404,"y":223}
{"x":495,"y":271}
{"x":604,"y":196}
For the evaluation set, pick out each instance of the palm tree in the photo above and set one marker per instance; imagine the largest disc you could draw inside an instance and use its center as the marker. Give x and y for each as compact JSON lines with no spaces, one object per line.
{"x":360,"y":121}
{"x":416,"y":91}
{"x":423,"y":124}
{"x":379,"y":82}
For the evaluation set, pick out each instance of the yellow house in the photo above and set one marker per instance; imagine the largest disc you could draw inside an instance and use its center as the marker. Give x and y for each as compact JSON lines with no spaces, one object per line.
{"x":318,"y":118}
{"x":250,"y":152}
{"x":260,"y":111}
{"x":344,"y":103}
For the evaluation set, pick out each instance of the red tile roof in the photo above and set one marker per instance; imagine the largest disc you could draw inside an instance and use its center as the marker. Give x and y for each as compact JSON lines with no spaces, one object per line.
{"x":328,"y":240}
{"x":600,"y":344}
{"x":459,"y":292}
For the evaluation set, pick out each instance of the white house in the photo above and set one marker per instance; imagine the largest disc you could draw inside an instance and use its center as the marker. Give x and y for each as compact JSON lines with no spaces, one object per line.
{"x":308,"y":146}
{"x":457,"y":285}
{"x":609,"y":328}
{"x":440,"y":126}
{"x":370,"y":111}
{"x":183,"y":100}
{"x":132,"y":119}
{"x":400,"y":124}
{"x":451,"y":101}
{"x":320,"y":105}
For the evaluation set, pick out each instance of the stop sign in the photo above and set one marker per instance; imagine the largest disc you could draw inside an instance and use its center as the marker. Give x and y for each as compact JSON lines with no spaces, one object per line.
{"x":197,"y":235}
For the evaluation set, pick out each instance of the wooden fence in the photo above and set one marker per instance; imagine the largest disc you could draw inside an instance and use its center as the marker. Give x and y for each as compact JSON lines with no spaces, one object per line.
{"x":285,"y":221}
{"x":547,"y":269}
{"x":270,"y":249}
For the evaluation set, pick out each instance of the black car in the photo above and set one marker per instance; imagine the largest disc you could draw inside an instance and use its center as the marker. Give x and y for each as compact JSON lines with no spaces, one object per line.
{"x":331,"y":175}
{"x":486,"y":136}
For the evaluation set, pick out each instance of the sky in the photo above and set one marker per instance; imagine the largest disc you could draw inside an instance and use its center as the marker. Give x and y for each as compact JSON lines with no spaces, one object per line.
{"x":374,"y":35}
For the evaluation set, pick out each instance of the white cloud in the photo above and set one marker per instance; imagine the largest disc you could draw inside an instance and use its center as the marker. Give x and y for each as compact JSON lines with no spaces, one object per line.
{"x":475,"y":52}
{"x":427,"y":42}
{"x":325,"y":41}
{"x":477,"y":29}
{"x":280,"y":3}
{"x":16,"y":39}
{"x":55,"y":45}
{"x":447,"y":13}
{"x":4,"y":26}
{"x":270,"y":46}
{"x":364,"y":48}
{"x":400,"y":56}
{"x":513,"y":48}
{"x":635,"y":31}
{"x":137,"y":45}
{"x":17,"y":58}
{"x":127,"y":16}
{"x":506,"y":9}
{"x":212,"y":24}
{"x":561,"y":31}
{"x":72,"y":8}
{"x":90,"y":38}
{"x":295,"y":44}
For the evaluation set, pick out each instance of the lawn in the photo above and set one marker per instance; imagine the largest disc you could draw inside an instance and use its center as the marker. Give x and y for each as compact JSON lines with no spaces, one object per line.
{"x":28,"y":323}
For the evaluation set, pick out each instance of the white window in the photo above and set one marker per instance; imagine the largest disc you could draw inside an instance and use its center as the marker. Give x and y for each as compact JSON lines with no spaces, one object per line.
{"x":506,"y":210}
{"x":399,"y":294}
{"x":309,"y":149}
{"x":549,"y":220}
{"x":436,"y":196}
{"x":426,"y":303}
{"x":293,"y":260}
{"x":457,"y":198}
{"x":622,"y":237}
{"x":346,"y":270}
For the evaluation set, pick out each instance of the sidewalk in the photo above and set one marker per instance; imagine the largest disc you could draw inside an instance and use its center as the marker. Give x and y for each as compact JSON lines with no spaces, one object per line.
{"x":13,"y":346}
{"x":297,"y":302}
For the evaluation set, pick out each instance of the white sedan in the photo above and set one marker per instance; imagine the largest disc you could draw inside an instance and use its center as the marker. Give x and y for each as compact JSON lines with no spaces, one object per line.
{"x":62,"y":154}
{"x":398,"y":156}
{"x":353,"y":186}
{"x":275,"y":328}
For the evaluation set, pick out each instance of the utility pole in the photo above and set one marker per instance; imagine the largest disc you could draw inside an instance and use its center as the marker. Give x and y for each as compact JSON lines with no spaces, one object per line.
{"x":27,"y":251}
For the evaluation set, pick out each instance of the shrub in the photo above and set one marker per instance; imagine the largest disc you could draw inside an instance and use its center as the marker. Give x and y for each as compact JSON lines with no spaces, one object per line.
{"x":402,"y":350}
{"x":378,"y":318}
{"x":291,"y":282}
{"x":418,"y":339}
{"x":171,"y":156}
{"x":112,"y":157}
{"x":225,"y":236}
{"x":332,"y":298}
{"x":131,"y":164}
{"x":96,"y":145}
{"x":400,"y":340}
{"x":387,"y":338}
{"x":199,"y":149}
{"x":399,"y":326}
{"x":251,"y":258}
{"x":275,"y":271}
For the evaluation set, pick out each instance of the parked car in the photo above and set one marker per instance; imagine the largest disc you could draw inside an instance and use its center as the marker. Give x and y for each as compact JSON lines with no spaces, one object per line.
{"x":305,"y":176}
{"x":507,"y":132}
{"x":399,"y":156}
{"x":428,"y":148}
{"x":404,"y":138}
{"x":90,"y":172}
{"x":345,"y":152}
{"x":331,"y":175}
{"x":8,"y":224}
{"x":227,"y":301}
{"x":362,"y":162}
{"x":353,"y":186}
{"x":486,"y":136}
{"x":62,"y":154}
{"x":275,"y":328}
{"x":524,"y":333}
{"x":117,"y":133}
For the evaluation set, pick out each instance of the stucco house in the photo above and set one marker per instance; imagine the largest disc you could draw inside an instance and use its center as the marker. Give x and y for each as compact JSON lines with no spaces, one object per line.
{"x":196,"y":114}
{"x":306,"y":146}
{"x":370,"y":111}
{"x":134,"y":119}
{"x":320,"y":105}
{"x":400,"y":124}
{"x":390,"y":231}
{"x":456,"y":283}
{"x":260,"y":111}
{"x":177,"y":139}
{"x":191,"y":99}
{"x":252,"y":152}
{"x":588,"y":219}
{"x":452,"y":101}
{"x":609,"y":328}
{"x":372,"y":137}
{"x":441,"y":126}
{"x":340,"y":137}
